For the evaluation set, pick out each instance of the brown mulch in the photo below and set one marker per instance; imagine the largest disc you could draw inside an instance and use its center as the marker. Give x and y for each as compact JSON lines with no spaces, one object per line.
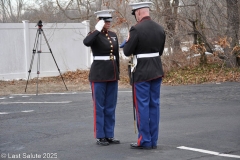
{"x":75,"y":81}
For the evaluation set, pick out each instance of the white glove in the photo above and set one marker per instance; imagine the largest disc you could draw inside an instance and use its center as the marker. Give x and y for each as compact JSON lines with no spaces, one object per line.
{"x":134,"y":65}
{"x":99,"y":25}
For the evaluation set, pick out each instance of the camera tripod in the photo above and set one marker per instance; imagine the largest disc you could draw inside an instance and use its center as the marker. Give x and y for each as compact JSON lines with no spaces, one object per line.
{"x":37,"y":47}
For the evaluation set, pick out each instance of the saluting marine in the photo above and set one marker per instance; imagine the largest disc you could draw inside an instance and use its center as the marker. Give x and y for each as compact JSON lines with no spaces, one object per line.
{"x":103,"y":77}
{"x":146,"y":42}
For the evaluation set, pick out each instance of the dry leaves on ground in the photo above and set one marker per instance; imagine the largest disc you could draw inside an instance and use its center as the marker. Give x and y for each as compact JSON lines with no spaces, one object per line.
{"x":78,"y":80}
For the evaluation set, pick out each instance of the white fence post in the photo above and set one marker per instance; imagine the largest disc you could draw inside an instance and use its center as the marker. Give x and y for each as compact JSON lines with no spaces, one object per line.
{"x":26,"y":43}
{"x":88,"y":52}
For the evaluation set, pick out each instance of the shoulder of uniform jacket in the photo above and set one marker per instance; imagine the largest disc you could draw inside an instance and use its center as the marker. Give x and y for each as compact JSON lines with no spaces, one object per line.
{"x":112,"y":32}
{"x":92,"y":32}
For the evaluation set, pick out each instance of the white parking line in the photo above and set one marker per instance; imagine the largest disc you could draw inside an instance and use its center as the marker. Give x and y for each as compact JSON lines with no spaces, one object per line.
{"x":25,"y":95}
{"x":44,"y":94}
{"x":35,"y":102}
{"x":125,"y":91}
{"x":60,"y":93}
{"x":4,"y":112}
{"x":118,"y":91}
{"x":208,"y":152}
{"x":27,"y":111}
{"x":28,"y":95}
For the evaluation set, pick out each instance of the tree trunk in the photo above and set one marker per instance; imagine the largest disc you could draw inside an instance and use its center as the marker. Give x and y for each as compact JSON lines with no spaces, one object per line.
{"x":232,"y":31}
{"x":170,"y":19}
{"x":99,"y":5}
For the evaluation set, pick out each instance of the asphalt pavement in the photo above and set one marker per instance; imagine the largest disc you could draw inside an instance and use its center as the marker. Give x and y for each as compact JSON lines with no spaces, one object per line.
{"x":198,"y":122}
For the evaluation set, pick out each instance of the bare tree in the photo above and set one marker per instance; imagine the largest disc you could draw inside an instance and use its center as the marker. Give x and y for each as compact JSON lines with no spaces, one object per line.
{"x":195,"y":21}
{"x":171,"y":16}
{"x":85,"y":8}
{"x":11,"y":10}
{"x":232,"y":31}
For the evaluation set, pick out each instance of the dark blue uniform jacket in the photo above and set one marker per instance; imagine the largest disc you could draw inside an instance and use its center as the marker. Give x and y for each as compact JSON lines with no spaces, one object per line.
{"x":103,"y":44}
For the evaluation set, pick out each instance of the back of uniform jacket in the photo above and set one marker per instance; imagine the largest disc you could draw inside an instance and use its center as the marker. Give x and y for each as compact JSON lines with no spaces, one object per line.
{"x":146,"y":37}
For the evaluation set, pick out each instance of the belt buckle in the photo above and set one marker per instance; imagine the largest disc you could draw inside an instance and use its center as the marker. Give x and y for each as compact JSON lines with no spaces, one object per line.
{"x":111,"y":57}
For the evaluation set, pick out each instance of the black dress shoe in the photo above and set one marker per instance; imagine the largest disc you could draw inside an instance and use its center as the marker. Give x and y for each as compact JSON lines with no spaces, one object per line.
{"x":113,"y":140}
{"x":154,"y":147}
{"x":136,"y":146}
{"x":102,"y":141}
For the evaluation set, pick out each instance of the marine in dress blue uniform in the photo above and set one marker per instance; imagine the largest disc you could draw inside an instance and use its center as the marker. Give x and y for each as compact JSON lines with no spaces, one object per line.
{"x":103,"y":77}
{"x":146,"y":42}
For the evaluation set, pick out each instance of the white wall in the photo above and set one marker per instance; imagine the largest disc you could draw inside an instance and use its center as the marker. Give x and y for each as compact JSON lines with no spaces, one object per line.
{"x":17,"y":42}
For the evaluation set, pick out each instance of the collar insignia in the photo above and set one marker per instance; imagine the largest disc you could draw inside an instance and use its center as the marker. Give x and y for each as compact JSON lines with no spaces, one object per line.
{"x":114,"y":38}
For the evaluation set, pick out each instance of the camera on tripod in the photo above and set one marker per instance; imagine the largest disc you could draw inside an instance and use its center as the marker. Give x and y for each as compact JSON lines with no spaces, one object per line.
{"x":39,"y":24}
{"x":37,"y":47}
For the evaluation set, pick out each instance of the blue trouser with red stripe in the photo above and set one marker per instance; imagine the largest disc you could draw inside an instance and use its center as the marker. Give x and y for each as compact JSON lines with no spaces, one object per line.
{"x":147,"y":103}
{"x":104,"y":95}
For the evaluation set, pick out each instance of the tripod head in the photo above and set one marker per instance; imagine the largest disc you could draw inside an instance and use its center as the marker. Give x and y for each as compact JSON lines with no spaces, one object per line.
{"x":39,"y":24}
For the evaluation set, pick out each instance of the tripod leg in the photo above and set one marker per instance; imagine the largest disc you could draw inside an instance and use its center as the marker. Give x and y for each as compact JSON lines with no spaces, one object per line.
{"x":53,"y":58}
{"x":38,"y":72}
{"x":39,"y":51}
{"x":33,"y":54}
{"x":29,"y":71}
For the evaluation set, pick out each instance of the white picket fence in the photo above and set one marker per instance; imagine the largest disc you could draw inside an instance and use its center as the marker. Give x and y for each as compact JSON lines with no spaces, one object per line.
{"x":17,"y":41}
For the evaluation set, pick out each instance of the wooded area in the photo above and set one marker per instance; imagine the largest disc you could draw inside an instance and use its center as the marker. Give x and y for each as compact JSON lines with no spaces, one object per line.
{"x":196,"y":25}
